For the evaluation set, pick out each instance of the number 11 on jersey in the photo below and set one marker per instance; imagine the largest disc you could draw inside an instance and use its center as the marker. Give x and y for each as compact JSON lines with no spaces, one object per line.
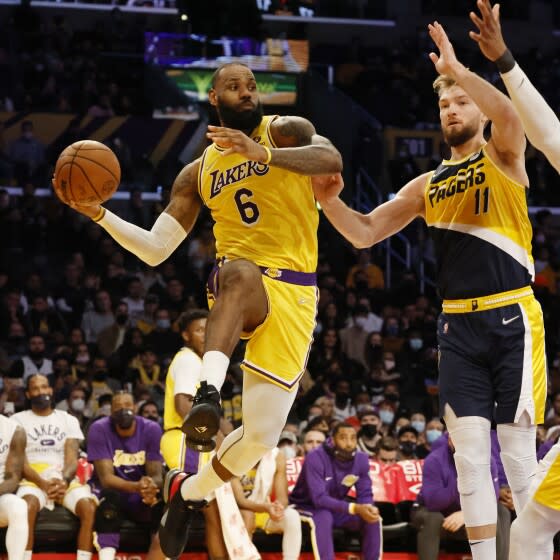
{"x":485,"y":200}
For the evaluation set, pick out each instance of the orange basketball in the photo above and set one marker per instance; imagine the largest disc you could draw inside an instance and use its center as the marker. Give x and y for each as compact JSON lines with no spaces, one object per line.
{"x":87,"y":173}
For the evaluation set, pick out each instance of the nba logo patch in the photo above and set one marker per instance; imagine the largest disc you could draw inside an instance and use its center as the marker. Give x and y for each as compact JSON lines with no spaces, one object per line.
{"x":474,"y":305}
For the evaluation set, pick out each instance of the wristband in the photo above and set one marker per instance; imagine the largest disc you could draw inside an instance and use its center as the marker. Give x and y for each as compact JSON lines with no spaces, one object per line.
{"x":98,"y":217}
{"x":352,"y":508}
{"x":268,"y":155}
{"x":505,"y":63}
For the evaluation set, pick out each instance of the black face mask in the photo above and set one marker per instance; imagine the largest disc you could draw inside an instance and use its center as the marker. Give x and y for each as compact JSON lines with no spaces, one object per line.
{"x":100,"y":375}
{"x":408,"y":447}
{"x":368,"y":430}
{"x":391,"y":397}
{"x":41,"y":402}
{"x":152,"y":418}
{"x":123,"y":418}
{"x":343,"y":455}
{"x":36,"y":356}
{"x":121,"y":319}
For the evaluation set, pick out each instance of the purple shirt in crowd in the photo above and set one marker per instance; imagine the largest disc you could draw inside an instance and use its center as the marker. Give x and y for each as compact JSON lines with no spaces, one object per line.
{"x":324,"y":482}
{"x":128,"y":454}
{"x":439,"y":479}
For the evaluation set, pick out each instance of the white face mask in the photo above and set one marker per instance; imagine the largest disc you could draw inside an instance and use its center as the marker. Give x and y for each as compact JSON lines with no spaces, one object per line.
{"x":78,"y":405}
{"x":289,"y":451}
{"x":105,"y":410}
{"x":360,"y":322}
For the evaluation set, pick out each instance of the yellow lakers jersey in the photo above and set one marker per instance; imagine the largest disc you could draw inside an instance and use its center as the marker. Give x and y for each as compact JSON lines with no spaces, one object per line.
{"x":171,"y":419}
{"x":262,"y":213}
{"x":480,"y":226}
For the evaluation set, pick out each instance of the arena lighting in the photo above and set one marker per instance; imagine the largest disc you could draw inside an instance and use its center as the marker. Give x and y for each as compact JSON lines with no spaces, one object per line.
{"x":184,"y":17}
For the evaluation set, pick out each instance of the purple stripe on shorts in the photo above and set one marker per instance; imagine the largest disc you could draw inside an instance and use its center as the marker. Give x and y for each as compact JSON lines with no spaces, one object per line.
{"x":108,"y":539}
{"x":290,"y":276}
{"x":191,"y":460}
{"x":272,"y":378}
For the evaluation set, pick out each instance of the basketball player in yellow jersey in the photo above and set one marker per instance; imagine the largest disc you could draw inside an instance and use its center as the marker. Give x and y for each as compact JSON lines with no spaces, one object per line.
{"x":255,"y":178}
{"x":181,"y":382}
{"x":533,"y":531}
{"x":490,"y":333}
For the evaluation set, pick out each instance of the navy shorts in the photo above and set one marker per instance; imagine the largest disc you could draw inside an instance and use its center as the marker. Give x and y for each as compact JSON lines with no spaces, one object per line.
{"x":492,"y":363}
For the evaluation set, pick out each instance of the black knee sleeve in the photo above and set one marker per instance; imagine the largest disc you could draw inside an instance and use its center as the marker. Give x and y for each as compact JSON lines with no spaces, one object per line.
{"x":109,"y":512}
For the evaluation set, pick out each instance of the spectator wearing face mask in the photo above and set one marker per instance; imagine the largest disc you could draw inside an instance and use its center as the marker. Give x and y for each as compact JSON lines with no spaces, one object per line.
{"x":407,"y":438}
{"x":162,"y":337}
{"x":149,"y":410}
{"x":111,"y":338}
{"x":418,"y":422}
{"x":343,"y":407}
{"x":288,"y":444}
{"x":365,"y":275}
{"x":369,"y":432}
{"x":321,"y":494}
{"x":353,"y":338}
{"x":434,"y":430}
{"x":392,"y":339}
{"x":386,"y":410}
{"x":124,"y":449}
{"x":75,"y":405}
{"x":101,"y":383}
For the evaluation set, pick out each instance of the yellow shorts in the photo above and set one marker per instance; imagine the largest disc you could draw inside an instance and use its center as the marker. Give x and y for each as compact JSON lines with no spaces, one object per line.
{"x":177,"y":455}
{"x":278,"y":348}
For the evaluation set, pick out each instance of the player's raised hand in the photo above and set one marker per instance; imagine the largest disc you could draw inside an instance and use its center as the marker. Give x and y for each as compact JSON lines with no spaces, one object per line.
{"x":446,"y":62}
{"x":489,"y":36}
{"x":327,"y":187}
{"x":236,"y":142}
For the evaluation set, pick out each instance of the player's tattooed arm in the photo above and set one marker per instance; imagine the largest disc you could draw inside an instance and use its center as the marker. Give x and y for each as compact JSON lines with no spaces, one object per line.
{"x":301,"y":149}
{"x":185,"y":203}
{"x":71,"y":453}
{"x":14,"y":462}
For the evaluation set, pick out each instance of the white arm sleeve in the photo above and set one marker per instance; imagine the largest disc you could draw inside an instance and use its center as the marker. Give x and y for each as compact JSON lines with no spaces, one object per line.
{"x":153,"y":246}
{"x":539,"y":121}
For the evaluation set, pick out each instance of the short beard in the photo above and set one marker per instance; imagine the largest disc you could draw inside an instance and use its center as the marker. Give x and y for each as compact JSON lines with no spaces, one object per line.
{"x":460,"y":137}
{"x":246,"y":120}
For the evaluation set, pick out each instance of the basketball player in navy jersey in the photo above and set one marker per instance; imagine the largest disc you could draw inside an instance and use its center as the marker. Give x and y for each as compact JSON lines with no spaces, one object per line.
{"x":490,"y":333}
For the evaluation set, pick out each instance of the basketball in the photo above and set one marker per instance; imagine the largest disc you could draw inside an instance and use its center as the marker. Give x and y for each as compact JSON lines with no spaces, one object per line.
{"x":87,"y":173}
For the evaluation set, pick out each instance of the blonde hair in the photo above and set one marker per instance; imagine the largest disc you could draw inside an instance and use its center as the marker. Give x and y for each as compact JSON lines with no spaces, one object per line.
{"x":443,"y":82}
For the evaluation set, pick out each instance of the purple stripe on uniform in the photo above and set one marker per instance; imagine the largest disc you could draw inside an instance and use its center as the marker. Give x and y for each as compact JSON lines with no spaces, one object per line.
{"x":191,"y":460}
{"x":112,"y":540}
{"x":212,"y":283}
{"x":269,"y":376}
{"x":290,"y":276}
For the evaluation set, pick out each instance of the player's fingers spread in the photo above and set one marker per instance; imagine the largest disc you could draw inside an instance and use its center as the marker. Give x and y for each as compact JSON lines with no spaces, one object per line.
{"x":496,"y":12}
{"x":475,"y":36}
{"x":476,"y":20}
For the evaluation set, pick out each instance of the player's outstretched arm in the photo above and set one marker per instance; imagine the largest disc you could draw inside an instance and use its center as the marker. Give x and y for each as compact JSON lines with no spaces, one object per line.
{"x":300,"y":148}
{"x":168,"y":231}
{"x":364,"y":230}
{"x":508,"y":136}
{"x":539,"y":121}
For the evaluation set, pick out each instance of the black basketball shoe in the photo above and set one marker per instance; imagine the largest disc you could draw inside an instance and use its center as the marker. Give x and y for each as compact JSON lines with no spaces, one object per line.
{"x":203,"y":421}
{"x":176,"y":520}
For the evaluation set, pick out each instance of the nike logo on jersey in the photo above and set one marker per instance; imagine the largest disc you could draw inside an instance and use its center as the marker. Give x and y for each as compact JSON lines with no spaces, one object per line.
{"x":508,"y":321}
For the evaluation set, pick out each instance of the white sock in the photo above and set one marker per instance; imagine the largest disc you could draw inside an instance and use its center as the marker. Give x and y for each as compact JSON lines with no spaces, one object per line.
{"x":107,"y":553}
{"x":483,"y":549}
{"x":27,"y":555}
{"x":197,"y":487}
{"x":214,"y":368}
{"x":83,"y":555}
